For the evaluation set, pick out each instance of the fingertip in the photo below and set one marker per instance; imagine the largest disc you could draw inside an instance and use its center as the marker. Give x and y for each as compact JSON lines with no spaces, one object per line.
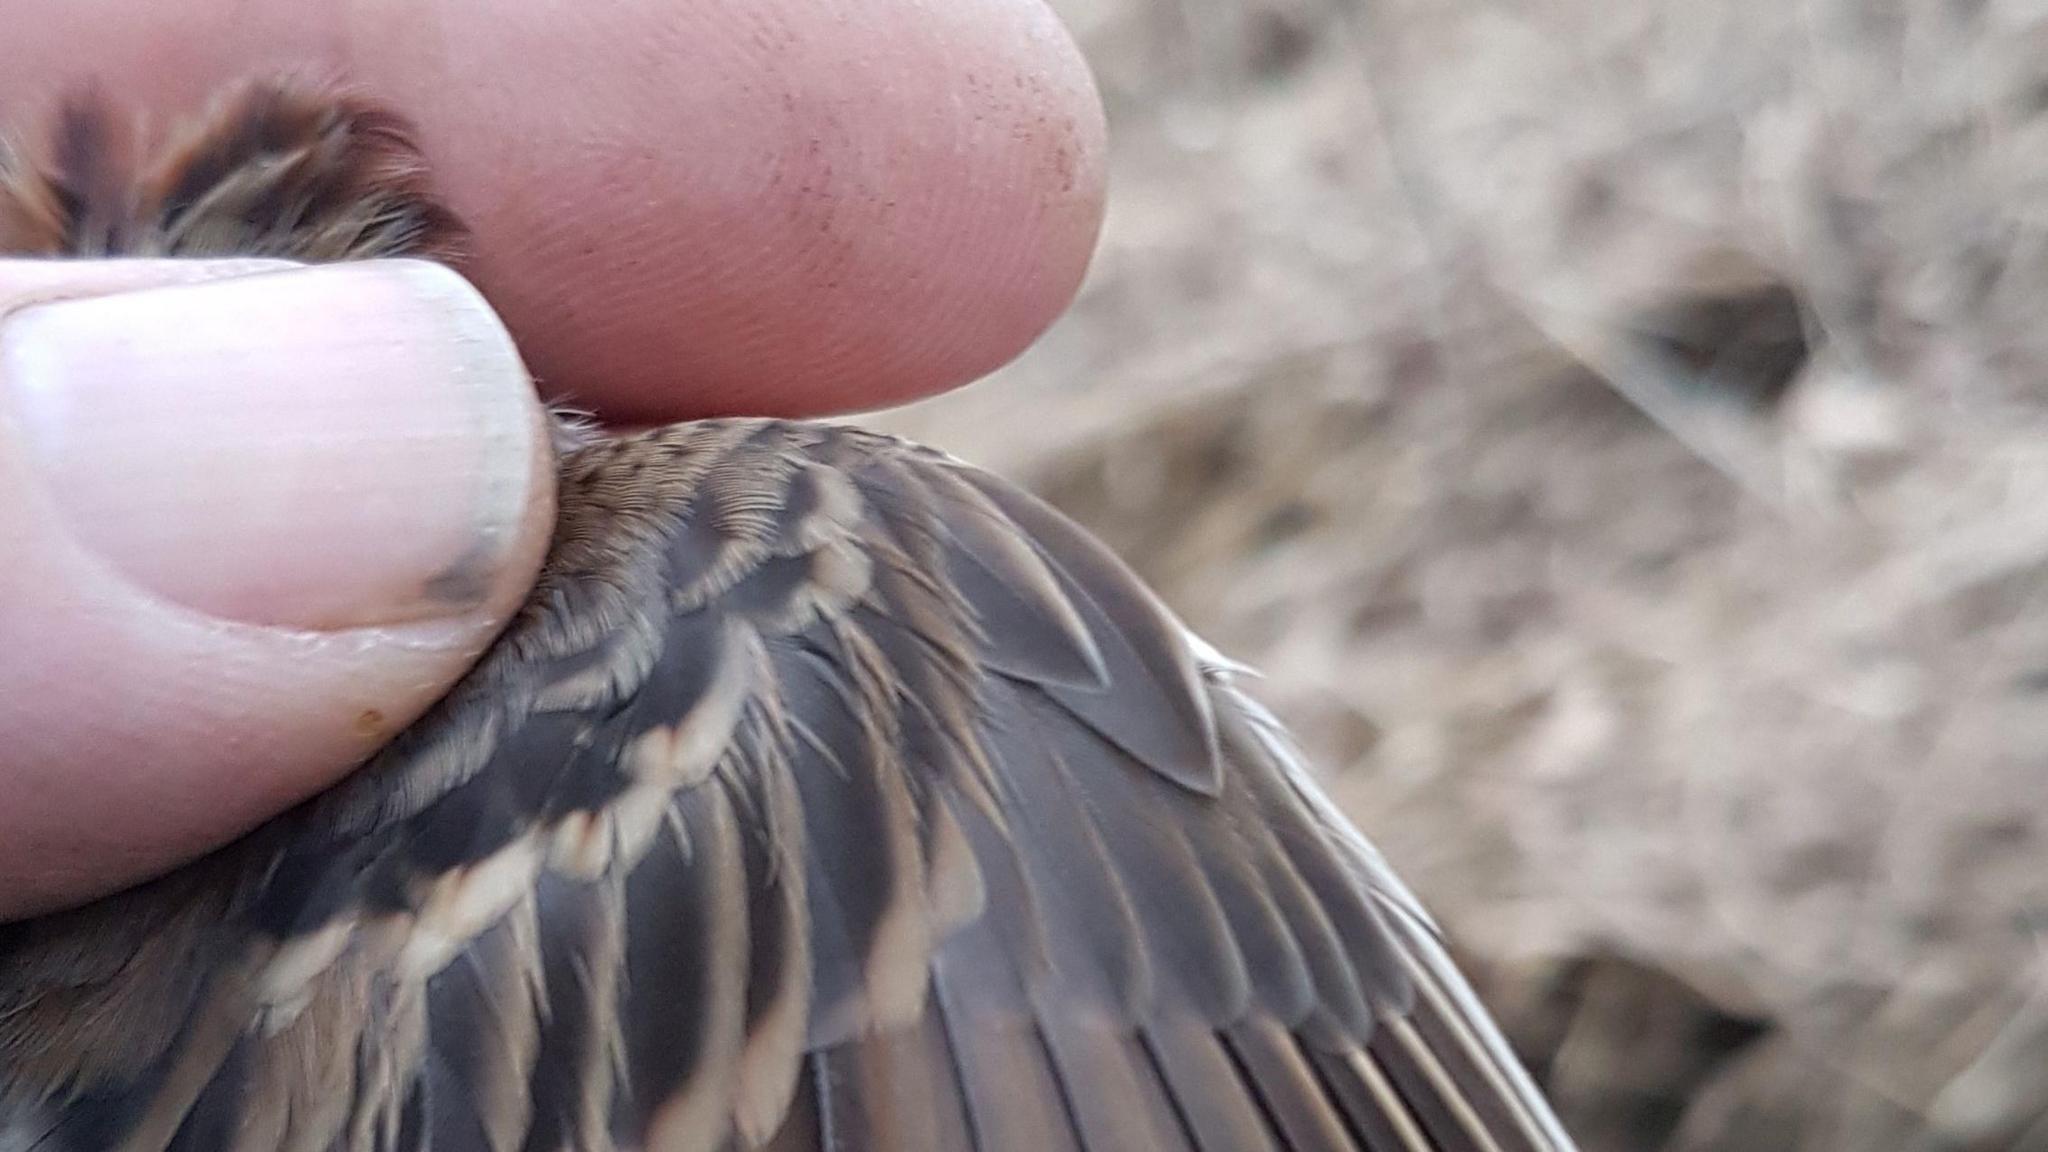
{"x":861,"y":214}
{"x":694,"y":207}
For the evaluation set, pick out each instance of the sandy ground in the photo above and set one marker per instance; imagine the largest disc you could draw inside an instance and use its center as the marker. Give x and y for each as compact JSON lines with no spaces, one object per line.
{"x":1614,"y":427}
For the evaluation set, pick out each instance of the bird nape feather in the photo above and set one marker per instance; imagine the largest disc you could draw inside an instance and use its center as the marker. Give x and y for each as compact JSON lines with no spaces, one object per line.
{"x":827,"y":794}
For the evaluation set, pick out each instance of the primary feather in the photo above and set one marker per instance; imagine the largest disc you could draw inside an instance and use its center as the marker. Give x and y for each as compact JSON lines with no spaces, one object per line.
{"x":828,"y":794}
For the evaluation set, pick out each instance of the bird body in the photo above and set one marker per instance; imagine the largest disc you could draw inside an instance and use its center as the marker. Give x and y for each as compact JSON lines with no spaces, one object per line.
{"x":827,"y":794}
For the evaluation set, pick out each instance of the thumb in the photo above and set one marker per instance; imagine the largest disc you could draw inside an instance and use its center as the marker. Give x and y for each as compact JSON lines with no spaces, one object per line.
{"x":254,"y":518}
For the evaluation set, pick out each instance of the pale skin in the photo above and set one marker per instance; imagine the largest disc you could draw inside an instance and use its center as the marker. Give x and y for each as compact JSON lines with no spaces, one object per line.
{"x":681,"y":207}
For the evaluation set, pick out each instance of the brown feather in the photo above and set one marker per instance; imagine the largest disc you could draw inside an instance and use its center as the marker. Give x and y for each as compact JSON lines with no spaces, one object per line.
{"x":1207,"y":1087}
{"x":1007,"y":1081}
{"x":1305,"y":1116}
{"x":779,"y":983}
{"x":286,"y":170}
{"x":896,"y":1092}
{"x":685,"y":1003}
{"x":827,"y":794}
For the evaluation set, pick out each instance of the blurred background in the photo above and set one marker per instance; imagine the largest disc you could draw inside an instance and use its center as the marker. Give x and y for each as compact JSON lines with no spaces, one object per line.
{"x":1616,"y":427}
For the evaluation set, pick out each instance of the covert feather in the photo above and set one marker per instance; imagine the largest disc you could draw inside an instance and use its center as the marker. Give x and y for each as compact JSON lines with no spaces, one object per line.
{"x":827,"y":794}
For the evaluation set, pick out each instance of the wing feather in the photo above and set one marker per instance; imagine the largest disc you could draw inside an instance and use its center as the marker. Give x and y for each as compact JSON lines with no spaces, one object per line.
{"x":832,"y":795}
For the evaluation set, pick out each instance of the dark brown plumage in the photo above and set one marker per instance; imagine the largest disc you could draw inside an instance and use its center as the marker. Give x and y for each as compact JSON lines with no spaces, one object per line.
{"x":828,"y":794}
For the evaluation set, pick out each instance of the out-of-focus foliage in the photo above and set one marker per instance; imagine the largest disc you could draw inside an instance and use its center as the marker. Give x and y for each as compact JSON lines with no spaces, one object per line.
{"x":1619,"y":428}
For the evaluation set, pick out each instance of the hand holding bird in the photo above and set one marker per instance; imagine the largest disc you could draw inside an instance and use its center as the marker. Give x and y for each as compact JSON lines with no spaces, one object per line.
{"x":827,"y":793}
{"x":652,"y":236}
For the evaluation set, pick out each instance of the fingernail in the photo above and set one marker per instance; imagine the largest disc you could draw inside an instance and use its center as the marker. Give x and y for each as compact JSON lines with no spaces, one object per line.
{"x":329,"y":447}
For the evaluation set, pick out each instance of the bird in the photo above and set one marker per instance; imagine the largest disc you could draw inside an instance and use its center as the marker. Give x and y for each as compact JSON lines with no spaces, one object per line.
{"x":827,"y":793}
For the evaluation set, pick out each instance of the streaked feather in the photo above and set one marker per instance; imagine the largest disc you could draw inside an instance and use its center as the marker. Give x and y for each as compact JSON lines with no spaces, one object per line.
{"x":827,"y":795}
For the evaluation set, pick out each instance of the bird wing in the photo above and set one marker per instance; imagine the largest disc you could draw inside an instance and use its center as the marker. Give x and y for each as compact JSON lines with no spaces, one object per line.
{"x":831,"y":795}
